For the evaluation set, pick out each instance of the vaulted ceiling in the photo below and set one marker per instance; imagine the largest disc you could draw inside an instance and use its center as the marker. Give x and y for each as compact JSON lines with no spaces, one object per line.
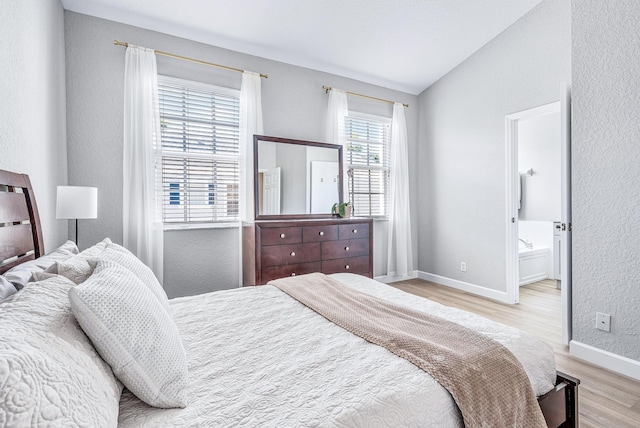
{"x":405,"y":45}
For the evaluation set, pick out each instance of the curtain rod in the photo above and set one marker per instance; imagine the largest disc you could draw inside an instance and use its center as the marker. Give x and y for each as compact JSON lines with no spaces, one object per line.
{"x":329,"y":88}
{"x":184,"y":58}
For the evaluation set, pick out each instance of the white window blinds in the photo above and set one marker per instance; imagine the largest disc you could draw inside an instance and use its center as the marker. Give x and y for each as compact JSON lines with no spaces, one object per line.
{"x":200,"y":151}
{"x":367,"y":158}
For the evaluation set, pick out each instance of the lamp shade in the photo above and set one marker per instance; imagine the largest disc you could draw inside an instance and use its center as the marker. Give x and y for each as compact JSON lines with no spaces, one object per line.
{"x":76,"y":202}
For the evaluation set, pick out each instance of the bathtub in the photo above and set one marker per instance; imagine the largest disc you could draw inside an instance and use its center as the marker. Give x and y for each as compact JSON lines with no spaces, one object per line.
{"x":534,"y":264}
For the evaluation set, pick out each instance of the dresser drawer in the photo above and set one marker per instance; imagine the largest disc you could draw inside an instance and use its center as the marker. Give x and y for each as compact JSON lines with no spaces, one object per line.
{"x":274,"y":249}
{"x":280,"y":235}
{"x":275,"y":272}
{"x":354,"y":230}
{"x":353,"y":264}
{"x":275,"y":255}
{"x":345,"y":248}
{"x":319,"y":233}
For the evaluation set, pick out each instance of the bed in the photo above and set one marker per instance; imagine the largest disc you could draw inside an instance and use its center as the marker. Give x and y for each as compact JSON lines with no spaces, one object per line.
{"x":255,"y":356}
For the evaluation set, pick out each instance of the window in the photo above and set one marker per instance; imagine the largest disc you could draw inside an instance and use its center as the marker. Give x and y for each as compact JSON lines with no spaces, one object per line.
{"x":367,"y":159}
{"x":199,"y":164}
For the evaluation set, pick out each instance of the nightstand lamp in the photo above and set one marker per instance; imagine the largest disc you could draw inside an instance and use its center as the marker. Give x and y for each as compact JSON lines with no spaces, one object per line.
{"x":75,"y":202}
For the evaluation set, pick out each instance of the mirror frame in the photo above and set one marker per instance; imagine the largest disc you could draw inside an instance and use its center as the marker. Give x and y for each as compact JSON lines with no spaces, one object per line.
{"x":256,"y":202}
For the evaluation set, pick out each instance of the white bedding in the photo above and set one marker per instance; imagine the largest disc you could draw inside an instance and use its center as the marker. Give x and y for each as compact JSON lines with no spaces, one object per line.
{"x":257,"y":357}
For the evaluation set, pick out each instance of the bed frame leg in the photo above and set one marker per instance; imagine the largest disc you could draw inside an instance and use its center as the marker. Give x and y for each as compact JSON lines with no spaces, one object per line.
{"x":560,"y":405}
{"x":571,"y":398}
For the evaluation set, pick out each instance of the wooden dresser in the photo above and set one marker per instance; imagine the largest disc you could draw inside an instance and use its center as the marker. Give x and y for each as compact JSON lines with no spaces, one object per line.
{"x":275,"y":249}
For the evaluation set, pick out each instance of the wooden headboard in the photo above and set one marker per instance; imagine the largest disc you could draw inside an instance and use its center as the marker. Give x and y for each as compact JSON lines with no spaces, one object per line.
{"x":20,"y":231}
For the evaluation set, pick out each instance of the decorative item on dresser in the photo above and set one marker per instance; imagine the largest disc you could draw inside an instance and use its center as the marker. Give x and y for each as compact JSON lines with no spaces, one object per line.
{"x":275,"y":249}
{"x":341,"y":209}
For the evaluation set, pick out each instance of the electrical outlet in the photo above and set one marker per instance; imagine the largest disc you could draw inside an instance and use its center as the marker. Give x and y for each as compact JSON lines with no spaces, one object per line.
{"x":603,"y":322}
{"x":463,"y":266}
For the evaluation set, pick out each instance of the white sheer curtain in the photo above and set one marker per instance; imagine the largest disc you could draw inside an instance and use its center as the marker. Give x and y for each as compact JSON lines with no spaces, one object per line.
{"x":400,"y":254}
{"x":337,"y":111}
{"x":142,"y":220}
{"x":250,"y":124}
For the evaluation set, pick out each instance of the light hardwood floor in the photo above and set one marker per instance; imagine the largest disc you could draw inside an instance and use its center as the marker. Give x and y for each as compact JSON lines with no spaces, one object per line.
{"x":605,"y":399}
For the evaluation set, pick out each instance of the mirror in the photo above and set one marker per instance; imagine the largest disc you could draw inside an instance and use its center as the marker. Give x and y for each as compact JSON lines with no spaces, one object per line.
{"x":295,"y":178}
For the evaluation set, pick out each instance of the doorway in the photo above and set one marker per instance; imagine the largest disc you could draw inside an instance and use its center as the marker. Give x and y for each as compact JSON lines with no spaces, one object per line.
{"x":538,"y":202}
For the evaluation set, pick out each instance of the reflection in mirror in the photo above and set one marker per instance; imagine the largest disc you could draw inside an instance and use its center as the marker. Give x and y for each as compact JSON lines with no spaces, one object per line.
{"x":295,"y":178}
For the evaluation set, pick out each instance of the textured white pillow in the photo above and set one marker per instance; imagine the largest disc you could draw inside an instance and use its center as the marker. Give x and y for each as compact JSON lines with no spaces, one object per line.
{"x":50,"y":373}
{"x":133,"y":333}
{"x":124,"y":257}
{"x":96,"y":250}
{"x":6,"y":288}
{"x":79,"y":267}
{"x":41,"y":276}
{"x":20,"y":275}
{"x":76,"y":269}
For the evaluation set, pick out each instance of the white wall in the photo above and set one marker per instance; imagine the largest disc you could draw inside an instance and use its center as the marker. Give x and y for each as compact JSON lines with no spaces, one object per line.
{"x":32,"y":128}
{"x":462,"y":146}
{"x":539,"y":149}
{"x":605,"y":163}
{"x":294,"y":106}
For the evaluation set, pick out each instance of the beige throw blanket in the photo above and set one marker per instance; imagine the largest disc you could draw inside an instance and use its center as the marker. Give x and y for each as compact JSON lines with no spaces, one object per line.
{"x":485,"y":379}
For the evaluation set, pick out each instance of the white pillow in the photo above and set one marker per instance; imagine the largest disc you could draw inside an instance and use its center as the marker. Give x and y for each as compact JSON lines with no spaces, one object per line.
{"x":51,"y":375}
{"x":6,"y":288}
{"x":21,"y":274}
{"x":76,"y":269}
{"x":95,"y":250}
{"x":124,"y":257}
{"x":133,"y":333}
{"x":79,"y":271}
{"x":79,"y":267}
{"x":41,"y":276}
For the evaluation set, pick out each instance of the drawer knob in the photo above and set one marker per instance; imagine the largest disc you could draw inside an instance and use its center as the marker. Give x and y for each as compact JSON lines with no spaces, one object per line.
{"x":282,"y":235}
{"x":355,"y":230}
{"x":347,"y":267}
{"x":321,"y":233}
{"x":293,"y":254}
{"x":293,"y":274}
{"x":346,"y":248}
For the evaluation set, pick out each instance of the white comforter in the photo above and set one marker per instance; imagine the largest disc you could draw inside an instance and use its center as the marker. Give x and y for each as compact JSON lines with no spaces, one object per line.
{"x":257,"y":357}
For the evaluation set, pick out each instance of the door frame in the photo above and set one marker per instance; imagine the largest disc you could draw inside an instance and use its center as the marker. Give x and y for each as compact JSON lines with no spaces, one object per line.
{"x":512,"y":175}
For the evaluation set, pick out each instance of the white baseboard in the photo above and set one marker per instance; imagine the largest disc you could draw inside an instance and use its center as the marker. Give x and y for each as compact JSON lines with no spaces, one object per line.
{"x":608,"y":360}
{"x":500,"y":296}
{"x":393,"y":278}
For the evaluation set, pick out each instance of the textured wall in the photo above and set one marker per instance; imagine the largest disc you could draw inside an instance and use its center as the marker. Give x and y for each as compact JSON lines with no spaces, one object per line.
{"x":202,"y":260}
{"x":605,"y":161}
{"x":294,"y":106}
{"x":462,"y":142}
{"x":32,"y":128}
